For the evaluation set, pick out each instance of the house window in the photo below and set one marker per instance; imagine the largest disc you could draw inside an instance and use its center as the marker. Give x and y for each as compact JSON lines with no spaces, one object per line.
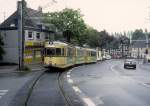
{"x":46,"y":36}
{"x":38,"y":36}
{"x":30,"y":35}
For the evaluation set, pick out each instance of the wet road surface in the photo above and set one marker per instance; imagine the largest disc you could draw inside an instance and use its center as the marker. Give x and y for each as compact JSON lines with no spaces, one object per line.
{"x":46,"y":92}
{"x":108,"y":84}
{"x":11,"y":83}
{"x":103,"y":84}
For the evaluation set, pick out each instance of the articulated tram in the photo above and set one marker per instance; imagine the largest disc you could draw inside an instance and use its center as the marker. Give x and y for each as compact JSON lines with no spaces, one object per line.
{"x":62,"y":55}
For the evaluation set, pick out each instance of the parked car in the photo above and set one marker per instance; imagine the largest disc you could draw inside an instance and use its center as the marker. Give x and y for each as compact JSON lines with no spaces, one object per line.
{"x":129,"y":63}
{"x":108,"y":57}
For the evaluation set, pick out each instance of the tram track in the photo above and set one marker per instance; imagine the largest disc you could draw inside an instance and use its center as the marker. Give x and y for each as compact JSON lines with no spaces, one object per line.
{"x":64,"y":94}
{"x":31,"y":89}
{"x":60,"y":87}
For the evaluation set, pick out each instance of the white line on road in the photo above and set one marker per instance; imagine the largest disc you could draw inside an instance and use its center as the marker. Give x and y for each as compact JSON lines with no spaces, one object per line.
{"x":88,"y":101}
{"x":68,"y":76}
{"x":3,"y":90}
{"x":112,"y":69}
{"x":2,"y":93}
{"x":85,"y":99}
{"x":68,"y":73}
{"x":129,"y":78}
{"x":71,"y":70}
{"x":70,"y":80}
{"x":76,"y":89}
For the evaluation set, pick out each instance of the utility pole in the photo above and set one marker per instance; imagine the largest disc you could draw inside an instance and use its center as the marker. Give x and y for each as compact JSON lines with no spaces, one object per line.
{"x":21,"y":38}
{"x":146,"y":39}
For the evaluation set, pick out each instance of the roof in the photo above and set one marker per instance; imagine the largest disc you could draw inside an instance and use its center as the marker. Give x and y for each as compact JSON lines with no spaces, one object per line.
{"x":32,"y":20}
{"x":140,"y":43}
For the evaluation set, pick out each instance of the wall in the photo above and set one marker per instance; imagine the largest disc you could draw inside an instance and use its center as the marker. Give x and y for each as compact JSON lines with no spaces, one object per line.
{"x":10,"y":39}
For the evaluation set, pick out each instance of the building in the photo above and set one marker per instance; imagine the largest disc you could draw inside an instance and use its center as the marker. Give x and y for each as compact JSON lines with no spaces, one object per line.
{"x":35,"y":32}
{"x":138,"y":48}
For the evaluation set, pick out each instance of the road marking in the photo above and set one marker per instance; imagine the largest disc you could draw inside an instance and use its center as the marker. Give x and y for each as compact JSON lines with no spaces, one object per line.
{"x":99,"y":100}
{"x":76,"y":89}
{"x":3,"y":90}
{"x":2,"y":93}
{"x":129,"y":78}
{"x":68,"y":73}
{"x":88,"y":101}
{"x":85,"y":99}
{"x":116,"y":72}
{"x":68,"y":76}
{"x":71,"y":70}
{"x":70,"y":80}
{"x":137,"y":81}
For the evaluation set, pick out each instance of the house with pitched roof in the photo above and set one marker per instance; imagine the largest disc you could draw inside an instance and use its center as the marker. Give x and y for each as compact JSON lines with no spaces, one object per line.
{"x":138,"y":48}
{"x":36,"y":33}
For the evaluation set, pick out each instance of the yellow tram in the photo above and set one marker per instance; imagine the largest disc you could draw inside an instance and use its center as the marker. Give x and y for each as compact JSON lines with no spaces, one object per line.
{"x":62,"y":55}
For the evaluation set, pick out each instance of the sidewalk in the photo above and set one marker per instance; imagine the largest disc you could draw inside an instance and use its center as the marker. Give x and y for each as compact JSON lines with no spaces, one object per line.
{"x":8,"y":69}
{"x":14,"y":69}
{"x":36,"y":67}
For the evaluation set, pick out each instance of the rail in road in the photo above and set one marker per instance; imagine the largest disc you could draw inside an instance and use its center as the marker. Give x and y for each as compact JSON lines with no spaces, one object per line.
{"x":64,"y":94}
{"x":59,"y":81}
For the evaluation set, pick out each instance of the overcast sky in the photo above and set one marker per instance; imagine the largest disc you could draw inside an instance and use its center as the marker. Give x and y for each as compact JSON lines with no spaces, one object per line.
{"x":112,"y":15}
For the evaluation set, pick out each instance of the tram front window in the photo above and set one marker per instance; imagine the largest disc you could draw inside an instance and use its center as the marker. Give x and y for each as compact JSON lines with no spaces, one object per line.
{"x":53,"y":52}
{"x":50,"y":52}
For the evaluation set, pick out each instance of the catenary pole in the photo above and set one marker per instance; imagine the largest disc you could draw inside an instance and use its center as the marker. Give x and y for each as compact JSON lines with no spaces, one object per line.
{"x":20,"y":11}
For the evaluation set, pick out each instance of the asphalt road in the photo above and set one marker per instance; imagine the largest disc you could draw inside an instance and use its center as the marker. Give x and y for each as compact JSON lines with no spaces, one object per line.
{"x":109,"y":84}
{"x":105,"y":83}
{"x":11,"y":84}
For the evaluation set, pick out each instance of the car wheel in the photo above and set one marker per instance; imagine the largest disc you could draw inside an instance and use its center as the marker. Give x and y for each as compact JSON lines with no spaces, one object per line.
{"x":134,"y":67}
{"x":124,"y":66}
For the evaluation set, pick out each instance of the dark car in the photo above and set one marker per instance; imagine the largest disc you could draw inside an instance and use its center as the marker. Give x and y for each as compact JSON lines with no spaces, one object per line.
{"x":130,"y":64}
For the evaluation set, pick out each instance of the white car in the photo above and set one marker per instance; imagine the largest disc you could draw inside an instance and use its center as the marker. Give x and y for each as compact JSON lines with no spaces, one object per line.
{"x":108,"y":57}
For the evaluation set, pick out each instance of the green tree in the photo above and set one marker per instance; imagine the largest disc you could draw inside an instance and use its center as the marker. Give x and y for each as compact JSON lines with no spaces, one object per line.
{"x":1,"y":48}
{"x":138,"y":33}
{"x":103,"y":39}
{"x":92,"y":37}
{"x":70,"y":22}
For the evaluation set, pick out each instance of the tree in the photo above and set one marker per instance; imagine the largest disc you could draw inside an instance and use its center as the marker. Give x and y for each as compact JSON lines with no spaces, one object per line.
{"x":1,"y":48}
{"x":69,"y":22}
{"x":138,"y":33}
{"x":92,"y":37}
{"x":103,"y":40}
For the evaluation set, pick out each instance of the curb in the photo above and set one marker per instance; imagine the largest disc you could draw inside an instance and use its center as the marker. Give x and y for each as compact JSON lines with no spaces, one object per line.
{"x":17,"y":71}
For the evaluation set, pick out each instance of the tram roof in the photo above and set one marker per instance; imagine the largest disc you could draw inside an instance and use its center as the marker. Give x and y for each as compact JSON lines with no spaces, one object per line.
{"x":55,"y":44}
{"x":91,"y":49}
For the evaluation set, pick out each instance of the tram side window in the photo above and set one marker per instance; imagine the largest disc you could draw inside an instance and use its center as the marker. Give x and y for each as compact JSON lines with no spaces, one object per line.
{"x":88,"y":53}
{"x":58,"y":51}
{"x":70,"y":52}
{"x":93,"y":53}
{"x":63,"y":52}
